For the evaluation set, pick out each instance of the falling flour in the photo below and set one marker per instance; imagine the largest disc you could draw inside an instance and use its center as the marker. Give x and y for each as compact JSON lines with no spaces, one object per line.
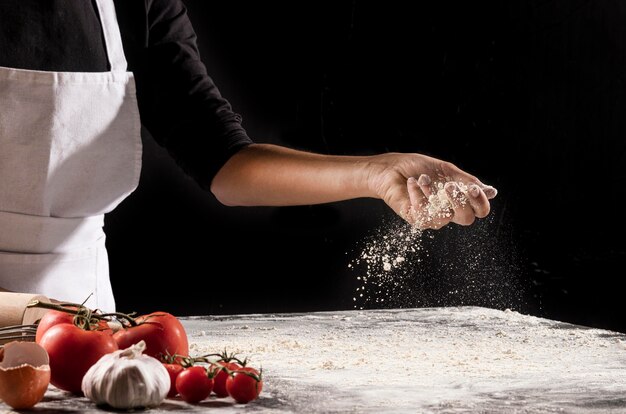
{"x":388,"y":249}
{"x":382,"y":262}
{"x":399,"y":265}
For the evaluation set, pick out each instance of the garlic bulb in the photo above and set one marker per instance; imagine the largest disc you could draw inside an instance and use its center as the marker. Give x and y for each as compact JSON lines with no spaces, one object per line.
{"x":127,"y":379}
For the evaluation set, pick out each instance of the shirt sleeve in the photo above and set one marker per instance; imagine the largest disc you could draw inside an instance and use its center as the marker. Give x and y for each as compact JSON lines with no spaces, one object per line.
{"x":179,"y":104}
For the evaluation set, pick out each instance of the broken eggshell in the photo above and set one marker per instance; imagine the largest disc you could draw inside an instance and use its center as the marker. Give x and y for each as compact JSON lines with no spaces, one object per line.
{"x":24,"y":374}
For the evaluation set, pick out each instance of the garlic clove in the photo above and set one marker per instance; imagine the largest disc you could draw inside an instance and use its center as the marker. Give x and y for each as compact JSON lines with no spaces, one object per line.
{"x":24,"y":374}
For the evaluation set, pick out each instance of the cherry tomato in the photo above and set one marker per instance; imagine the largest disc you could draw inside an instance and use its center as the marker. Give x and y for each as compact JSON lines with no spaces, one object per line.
{"x":173,"y":370}
{"x":72,"y":352}
{"x":193,"y":384}
{"x":162,"y":332}
{"x":219,"y":388}
{"x":242,"y":387}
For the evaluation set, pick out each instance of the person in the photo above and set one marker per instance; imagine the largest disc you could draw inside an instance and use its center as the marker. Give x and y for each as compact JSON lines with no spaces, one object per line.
{"x":78,"y":80}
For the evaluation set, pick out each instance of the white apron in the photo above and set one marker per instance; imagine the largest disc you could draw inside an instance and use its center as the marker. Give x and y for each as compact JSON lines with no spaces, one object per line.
{"x":70,"y":151}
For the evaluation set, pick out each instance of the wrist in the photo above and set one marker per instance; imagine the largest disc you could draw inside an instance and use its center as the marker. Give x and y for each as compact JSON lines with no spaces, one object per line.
{"x":373,"y":171}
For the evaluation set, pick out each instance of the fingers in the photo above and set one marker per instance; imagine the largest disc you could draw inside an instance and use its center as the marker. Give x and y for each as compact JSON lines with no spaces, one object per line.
{"x":479,"y":200}
{"x":433,"y":217}
{"x":433,"y":207}
{"x":453,"y":173}
{"x":421,"y":214}
{"x":490,"y":192}
{"x":416,"y":198}
{"x":463,"y":211}
{"x":424,"y":183}
{"x":416,"y":195}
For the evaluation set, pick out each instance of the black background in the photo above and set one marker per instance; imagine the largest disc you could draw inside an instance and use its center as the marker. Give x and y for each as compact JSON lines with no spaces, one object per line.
{"x":529,"y":95}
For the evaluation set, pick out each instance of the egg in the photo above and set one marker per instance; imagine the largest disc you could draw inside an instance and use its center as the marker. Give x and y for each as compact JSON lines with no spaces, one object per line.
{"x":24,"y":374}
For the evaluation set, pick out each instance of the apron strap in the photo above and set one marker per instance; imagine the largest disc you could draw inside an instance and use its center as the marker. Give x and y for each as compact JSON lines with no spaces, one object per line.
{"x":112,"y":35}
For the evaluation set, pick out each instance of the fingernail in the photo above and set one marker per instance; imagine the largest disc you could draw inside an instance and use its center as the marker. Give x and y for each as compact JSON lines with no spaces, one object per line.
{"x":474,"y":191}
{"x":411,"y":180}
{"x":490,"y":192}
{"x":451,"y":187}
{"x":424,"y":180}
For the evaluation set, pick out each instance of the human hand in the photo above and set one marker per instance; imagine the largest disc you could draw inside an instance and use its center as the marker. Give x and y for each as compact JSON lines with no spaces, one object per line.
{"x":427,"y":192}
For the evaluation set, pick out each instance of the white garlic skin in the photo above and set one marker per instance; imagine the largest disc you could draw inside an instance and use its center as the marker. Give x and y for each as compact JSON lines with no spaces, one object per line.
{"x":127,"y":379}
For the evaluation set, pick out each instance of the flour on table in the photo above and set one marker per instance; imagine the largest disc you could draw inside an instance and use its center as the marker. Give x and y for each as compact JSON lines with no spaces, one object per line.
{"x":424,"y":360}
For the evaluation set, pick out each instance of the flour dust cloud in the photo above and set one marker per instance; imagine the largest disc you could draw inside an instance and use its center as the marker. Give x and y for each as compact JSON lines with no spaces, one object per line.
{"x":401,"y":267}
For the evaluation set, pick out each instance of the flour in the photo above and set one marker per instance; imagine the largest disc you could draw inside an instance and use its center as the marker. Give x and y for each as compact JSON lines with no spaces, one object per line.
{"x":401,"y":266}
{"x":424,"y":358}
{"x":382,"y":263}
{"x":439,"y":205}
{"x":388,"y":248}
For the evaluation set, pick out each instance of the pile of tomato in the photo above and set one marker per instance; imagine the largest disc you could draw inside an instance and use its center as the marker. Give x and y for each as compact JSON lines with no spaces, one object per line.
{"x":194,"y":379}
{"x":76,"y":338}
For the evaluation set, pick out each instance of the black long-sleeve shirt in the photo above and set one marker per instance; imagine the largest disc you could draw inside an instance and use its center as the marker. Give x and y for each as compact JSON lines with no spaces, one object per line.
{"x":179,"y":103}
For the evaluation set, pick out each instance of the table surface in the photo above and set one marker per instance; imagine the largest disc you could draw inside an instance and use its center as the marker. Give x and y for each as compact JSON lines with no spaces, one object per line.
{"x":432,"y":360}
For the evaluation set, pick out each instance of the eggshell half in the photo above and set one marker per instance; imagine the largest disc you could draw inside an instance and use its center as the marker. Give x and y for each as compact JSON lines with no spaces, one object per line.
{"x":24,"y":374}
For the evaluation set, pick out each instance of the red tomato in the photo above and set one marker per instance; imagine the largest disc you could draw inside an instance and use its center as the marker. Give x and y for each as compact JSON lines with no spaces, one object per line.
{"x":54,"y":317}
{"x":50,"y":319}
{"x":72,"y":352}
{"x":243,"y":388}
{"x":219,"y":388}
{"x":163,"y":333}
{"x":193,"y":384}
{"x":173,"y":370}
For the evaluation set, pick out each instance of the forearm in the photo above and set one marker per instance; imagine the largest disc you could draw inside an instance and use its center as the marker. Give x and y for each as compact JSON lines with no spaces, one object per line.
{"x":270,"y":175}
